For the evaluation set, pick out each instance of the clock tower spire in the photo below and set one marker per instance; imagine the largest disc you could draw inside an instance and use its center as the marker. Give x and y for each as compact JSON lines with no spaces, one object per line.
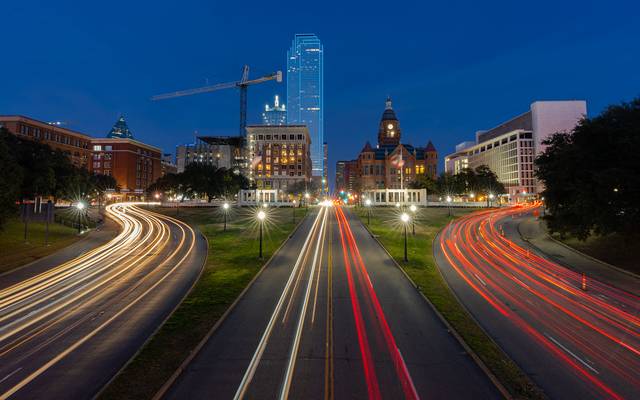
{"x":389,"y":130}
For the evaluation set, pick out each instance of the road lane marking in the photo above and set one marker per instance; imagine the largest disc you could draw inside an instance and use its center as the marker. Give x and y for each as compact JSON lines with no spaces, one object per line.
{"x":571,"y":353}
{"x":257,"y":355}
{"x":295,"y":345}
{"x":10,"y":375}
{"x":98,"y":329}
{"x":328,"y":365}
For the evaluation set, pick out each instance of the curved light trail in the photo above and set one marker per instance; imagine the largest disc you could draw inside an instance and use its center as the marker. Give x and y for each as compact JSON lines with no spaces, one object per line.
{"x":592,"y":332}
{"x":47,"y":317}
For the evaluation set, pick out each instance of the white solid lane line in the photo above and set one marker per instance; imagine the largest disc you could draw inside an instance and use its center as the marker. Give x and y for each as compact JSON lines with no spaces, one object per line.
{"x":257,"y":355}
{"x":295,"y":345}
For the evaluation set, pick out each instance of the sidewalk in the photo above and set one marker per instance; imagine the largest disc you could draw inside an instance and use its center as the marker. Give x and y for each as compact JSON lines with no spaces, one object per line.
{"x":531,"y":230}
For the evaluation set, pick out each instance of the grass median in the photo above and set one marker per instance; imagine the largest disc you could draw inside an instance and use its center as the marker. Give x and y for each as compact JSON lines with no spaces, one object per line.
{"x":422,"y":269}
{"x":231,"y":264}
{"x":15,"y":251}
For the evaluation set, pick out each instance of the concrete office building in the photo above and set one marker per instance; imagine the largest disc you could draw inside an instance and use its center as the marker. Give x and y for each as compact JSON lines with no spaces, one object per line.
{"x":220,"y":151}
{"x":510,"y":148}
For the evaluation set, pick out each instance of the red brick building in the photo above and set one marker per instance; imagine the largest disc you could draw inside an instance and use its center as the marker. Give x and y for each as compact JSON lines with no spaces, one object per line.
{"x":391,"y":164}
{"x":75,"y":144}
{"x":133,"y":164}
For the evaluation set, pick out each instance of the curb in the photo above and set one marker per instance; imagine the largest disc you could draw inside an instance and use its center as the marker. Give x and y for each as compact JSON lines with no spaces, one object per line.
{"x":174,"y":377}
{"x":503,"y":391}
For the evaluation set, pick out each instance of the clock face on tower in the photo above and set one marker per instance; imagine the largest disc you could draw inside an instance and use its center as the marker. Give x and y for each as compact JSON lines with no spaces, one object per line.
{"x":390,"y":126}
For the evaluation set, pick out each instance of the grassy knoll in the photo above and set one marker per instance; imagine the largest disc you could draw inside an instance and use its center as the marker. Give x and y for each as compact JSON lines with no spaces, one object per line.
{"x":614,"y":249}
{"x":423,"y":271}
{"x":231,"y":264}
{"x":14,"y":251}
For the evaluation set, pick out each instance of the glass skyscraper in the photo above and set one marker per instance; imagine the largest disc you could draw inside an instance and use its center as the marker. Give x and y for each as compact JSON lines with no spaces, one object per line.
{"x":305,"y":97}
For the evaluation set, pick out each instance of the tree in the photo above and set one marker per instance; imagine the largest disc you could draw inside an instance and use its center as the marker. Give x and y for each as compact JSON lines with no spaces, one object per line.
{"x":487,"y":182}
{"x":10,"y":178}
{"x":424,"y":182}
{"x":590,"y":175}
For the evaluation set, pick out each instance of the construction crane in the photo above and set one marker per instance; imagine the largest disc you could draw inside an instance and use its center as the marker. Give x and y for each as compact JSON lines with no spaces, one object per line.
{"x":242,"y":84}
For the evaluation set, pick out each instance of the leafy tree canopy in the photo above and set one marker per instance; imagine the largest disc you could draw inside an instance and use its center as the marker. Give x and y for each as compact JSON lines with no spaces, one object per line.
{"x":591,"y":175}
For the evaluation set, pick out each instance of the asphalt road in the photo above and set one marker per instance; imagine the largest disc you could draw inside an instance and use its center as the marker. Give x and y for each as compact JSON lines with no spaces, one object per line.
{"x":574,"y":343}
{"x":332,"y":317}
{"x":66,"y":330}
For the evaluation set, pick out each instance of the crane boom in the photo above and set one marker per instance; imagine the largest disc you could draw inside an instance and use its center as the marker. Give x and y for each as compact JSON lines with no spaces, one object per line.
{"x":242,"y":84}
{"x":189,"y":92}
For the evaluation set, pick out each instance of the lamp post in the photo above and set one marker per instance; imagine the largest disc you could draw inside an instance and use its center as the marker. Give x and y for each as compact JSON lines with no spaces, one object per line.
{"x":293,"y":214}
{"x":225,"y":210}
{"x":306,"y":200}
{"x":367,"y":203}
{"x":489,"y":199}
{"x":413,"y":209}
{"x":261,"y":216}
{"x":449,"y":204}
{"x":80,"y":207}
{"x":404,"y":217}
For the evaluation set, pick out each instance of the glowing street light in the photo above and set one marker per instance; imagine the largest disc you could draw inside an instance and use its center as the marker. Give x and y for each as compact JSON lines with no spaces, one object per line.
{"x":413,"y":209}
{"x":261,"y":216}
{"x":306,"y":200}
{"x":156,"y":196}
{"x":293,"y":213}
{"x":367,"y":203}
{"x":80,"y":206}
{"x":225,"y":210}
{"x":404,"y":217}
{"x":449,"y":204}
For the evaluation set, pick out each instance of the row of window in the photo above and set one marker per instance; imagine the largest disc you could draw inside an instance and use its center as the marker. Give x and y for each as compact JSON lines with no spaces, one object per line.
{"x":52,"y":136}
{"x":278,"y":137}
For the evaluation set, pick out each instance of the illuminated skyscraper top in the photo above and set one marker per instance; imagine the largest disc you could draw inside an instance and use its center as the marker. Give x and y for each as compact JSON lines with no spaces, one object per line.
{"x":120,"y":130}
{"x":305,"y":92}
{"x":276,"y":115}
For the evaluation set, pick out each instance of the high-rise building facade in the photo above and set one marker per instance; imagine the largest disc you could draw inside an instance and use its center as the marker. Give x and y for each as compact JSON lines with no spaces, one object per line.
{"x":510,"y":148}
{"x":276,"y":115}
{"x":305,"y":97}
{"x":280,"y":157}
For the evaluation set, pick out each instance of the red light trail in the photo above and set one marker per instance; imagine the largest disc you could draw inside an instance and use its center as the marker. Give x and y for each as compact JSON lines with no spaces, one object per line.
{"x":595,"y":332}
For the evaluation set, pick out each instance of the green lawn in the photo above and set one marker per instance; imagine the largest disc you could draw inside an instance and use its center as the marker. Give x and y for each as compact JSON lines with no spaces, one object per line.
{"x":422,"y":270}
{"x":613,"y":249}
{"x":231,"y":264}
{"x":14,"y":251}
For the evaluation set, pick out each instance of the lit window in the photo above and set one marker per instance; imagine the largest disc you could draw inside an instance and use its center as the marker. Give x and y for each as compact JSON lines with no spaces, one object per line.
{"x":97,"y":148}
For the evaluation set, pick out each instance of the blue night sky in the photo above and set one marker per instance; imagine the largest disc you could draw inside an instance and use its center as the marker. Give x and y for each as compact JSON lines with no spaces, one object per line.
{"x":451,"y":67}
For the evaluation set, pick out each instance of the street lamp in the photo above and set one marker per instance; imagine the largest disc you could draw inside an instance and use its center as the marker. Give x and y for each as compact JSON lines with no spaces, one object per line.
{"x":413,"y":209}
{"x":225,"y":209}
{"x":472,"y":195}
{"x":490,"y":199}
{"x":405,"y":219}
{"x":80,"y":206}
{"x":449,"y":204}
{"x":306,"y":200}
{"x":261,"y":216}
{"x":294,"y":211}
{"x":367,"y":203}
